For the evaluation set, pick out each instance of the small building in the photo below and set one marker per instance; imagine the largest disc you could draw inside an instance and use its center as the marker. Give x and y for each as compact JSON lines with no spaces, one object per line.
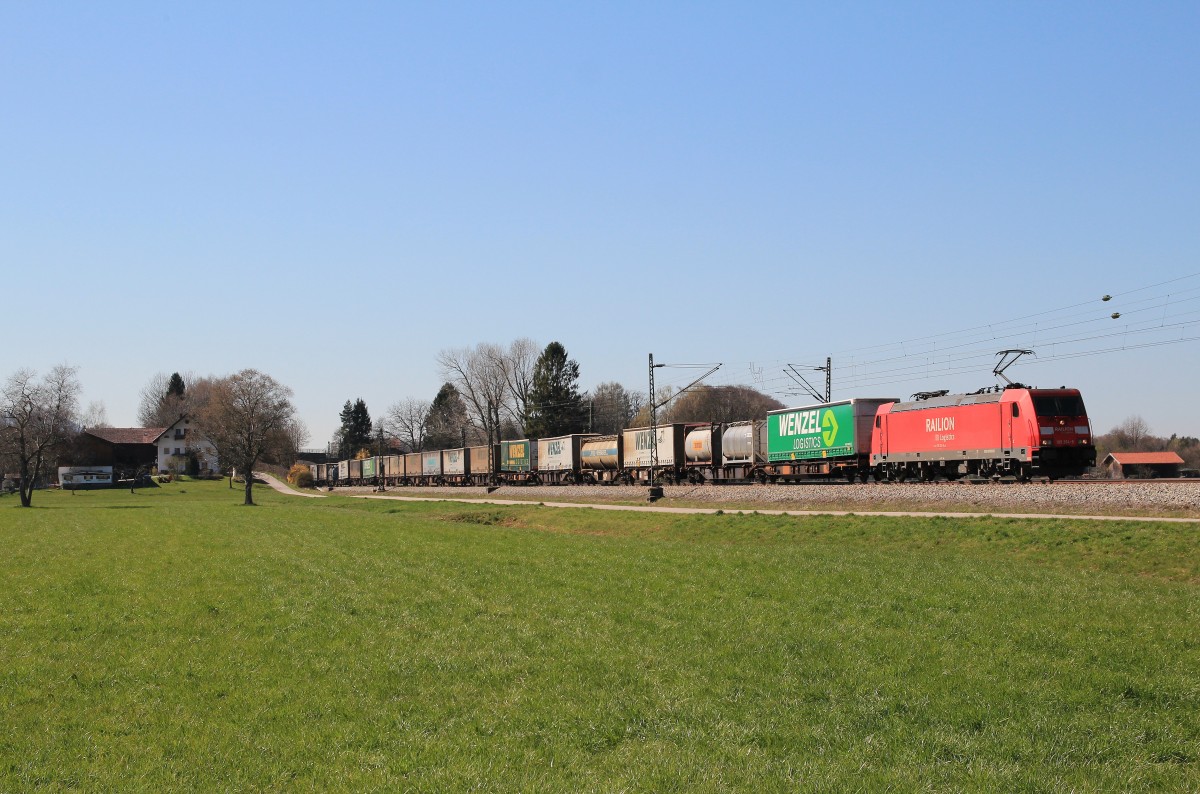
{"x":1142,"y":465}
{"x":176,"y":446}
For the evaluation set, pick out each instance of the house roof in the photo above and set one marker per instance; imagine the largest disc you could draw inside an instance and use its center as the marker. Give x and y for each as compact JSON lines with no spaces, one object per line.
{"x":126,"y":435}
{"x":1142,"y":458}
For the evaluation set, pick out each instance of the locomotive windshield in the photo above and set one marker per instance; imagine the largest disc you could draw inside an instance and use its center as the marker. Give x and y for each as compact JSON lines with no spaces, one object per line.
{"x":1058,"y":405}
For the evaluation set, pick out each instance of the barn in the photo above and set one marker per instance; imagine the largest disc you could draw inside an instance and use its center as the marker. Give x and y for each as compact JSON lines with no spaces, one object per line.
{"x":1142,"y":465}
{"x":126,"y":449}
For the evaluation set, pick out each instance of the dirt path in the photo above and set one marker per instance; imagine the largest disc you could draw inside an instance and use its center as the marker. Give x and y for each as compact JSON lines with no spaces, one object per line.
{"x":716,"y":510}
{"x":278,"y":486}
{"x":282,"y":488}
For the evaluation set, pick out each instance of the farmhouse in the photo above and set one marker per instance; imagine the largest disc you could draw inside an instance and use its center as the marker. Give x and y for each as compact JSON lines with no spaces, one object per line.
{"x":1127,"y":465}
{"x":180,"y":444}
{"x":180,"y":448}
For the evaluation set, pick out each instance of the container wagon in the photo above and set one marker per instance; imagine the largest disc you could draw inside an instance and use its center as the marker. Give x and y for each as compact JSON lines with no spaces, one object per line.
{"x":600,"y":459}
{"x":518,"y":461}
{"x":454,"y":466}
{"x":702,"y":454}
{"x":637,"y":451}
{"x":483,"y":463}
{"x":431,"y":468}
{"x":370,"y":471}
{"x":558,"y":459}
{"x":412,"y":468}
{"x":393,"y":469}
{"x":743,"y":449}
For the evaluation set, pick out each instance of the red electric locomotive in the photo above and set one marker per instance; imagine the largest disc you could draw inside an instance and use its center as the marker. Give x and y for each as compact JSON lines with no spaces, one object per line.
{"x":1015,"y":432}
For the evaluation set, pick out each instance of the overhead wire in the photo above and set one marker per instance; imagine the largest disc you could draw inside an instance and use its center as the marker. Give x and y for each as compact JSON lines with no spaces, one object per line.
{"x":935,"y":355}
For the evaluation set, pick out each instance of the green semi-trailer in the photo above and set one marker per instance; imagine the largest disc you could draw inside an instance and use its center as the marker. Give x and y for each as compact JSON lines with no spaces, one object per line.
{"x":828,"y":439}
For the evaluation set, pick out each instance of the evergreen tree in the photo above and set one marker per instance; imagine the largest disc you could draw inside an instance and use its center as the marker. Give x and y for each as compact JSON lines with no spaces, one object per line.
{"x":355,"y":432}
{"x":556,"y":407}
{"x":175,"y":386}
{"x":447,"y":419}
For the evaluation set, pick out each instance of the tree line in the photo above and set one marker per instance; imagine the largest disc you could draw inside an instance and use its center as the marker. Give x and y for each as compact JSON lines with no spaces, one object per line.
{"x":495,"y":392}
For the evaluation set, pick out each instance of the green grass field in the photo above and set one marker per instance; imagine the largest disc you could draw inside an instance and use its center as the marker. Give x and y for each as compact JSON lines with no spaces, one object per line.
{"x":173,"y":639}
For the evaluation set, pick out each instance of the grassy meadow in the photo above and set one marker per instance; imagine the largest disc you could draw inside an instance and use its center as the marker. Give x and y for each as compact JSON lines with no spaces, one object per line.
{"x":172,"y":639}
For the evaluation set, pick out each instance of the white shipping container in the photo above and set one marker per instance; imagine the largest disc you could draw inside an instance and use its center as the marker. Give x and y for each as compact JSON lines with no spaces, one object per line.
{"x":343,"y":470}
{"x":431,"y":464}
{"x":637,"y":447}
{"x":454,"y":461}
{"x":558,"y":454}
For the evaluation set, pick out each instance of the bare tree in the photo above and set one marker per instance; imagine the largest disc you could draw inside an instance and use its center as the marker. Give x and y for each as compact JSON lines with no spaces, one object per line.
{"x":152,"y":410}
{"x":612,"y":407}
{"x":479,"y":375}
{"x":248,"y":416}
{"x":160,"y":404}
{"x":662,"y":396}
{"x":519,"y":362}
{"x":96,"y":415}
{"x":36,"y":419}
{"x":1132,"y":434}
{"x":407,"y":421}
{"x":286,"y":443}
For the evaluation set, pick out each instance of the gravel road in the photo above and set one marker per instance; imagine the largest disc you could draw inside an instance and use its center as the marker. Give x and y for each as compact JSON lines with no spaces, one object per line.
{"x":1141,"y":498}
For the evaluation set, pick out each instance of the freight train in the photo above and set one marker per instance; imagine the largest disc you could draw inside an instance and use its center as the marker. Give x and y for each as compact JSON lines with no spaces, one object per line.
{"x":1011,"y":433}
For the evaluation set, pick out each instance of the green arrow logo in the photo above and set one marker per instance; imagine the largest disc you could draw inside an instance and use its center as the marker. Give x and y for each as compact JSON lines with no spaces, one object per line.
{"x":829,"y":428}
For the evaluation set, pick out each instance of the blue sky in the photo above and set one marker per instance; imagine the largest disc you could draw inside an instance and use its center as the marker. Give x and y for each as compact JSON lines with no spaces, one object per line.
{"x":332,"y":193}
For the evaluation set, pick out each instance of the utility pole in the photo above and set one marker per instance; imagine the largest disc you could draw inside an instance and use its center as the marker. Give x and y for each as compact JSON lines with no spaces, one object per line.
{"x":379,"y":461}
{"x":802,"y":381}
{"x":656,"y":492}
{"x":653,"y":430}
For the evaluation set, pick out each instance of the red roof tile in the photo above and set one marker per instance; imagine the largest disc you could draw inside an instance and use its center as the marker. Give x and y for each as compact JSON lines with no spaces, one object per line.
{"x":126,"y":435}
{"x":1126,"y":458}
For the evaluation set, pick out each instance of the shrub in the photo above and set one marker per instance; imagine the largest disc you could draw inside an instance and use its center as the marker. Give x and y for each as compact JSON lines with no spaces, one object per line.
{"x":300,"y":476}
